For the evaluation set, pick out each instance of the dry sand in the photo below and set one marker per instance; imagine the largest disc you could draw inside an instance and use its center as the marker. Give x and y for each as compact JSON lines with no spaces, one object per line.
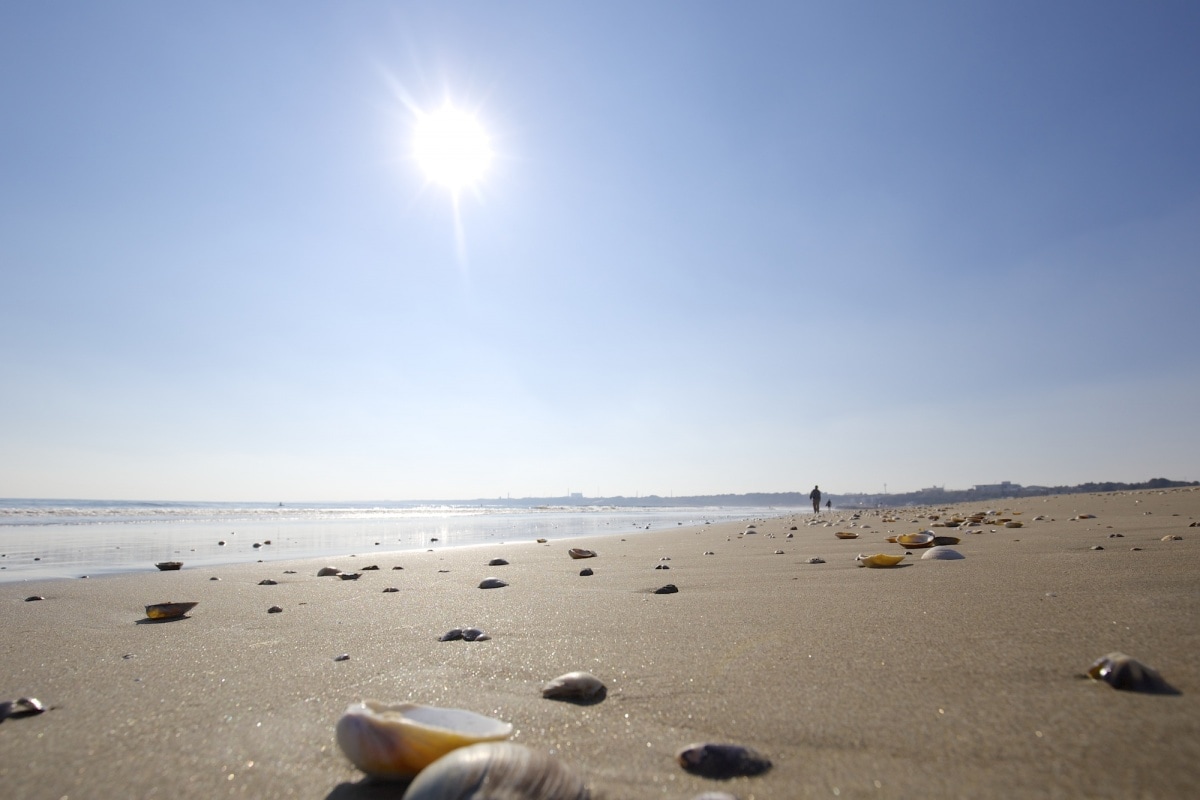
{"x":933,"y":679}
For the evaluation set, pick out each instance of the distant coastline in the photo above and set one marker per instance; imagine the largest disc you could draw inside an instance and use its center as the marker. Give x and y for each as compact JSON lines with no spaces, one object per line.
{"x":931,"y":496}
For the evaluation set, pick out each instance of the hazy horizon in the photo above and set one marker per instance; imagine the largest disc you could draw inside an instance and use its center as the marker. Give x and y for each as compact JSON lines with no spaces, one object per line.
{"x":706,"y":250}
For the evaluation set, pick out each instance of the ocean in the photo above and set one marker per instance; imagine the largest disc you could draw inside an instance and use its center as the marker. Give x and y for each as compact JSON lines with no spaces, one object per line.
{"x":42,"y":539}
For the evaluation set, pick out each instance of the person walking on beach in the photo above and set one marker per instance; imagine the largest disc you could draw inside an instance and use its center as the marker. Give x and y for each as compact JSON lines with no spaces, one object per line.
{"x":815,"y":496}
{"x":828,"y":505}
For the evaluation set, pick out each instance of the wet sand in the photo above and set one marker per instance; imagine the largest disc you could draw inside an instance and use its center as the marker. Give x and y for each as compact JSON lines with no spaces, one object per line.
{"x":931,"y":679}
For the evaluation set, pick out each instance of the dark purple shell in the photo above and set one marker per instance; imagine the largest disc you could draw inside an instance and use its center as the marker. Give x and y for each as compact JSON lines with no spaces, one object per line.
{"x":722,"y":760}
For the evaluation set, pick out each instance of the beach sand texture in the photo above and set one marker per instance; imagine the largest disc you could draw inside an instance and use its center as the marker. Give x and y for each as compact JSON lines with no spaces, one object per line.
{"x":930,"y":679}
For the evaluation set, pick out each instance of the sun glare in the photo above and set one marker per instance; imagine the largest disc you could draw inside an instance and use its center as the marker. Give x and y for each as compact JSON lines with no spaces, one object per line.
{"x":451,"y":147}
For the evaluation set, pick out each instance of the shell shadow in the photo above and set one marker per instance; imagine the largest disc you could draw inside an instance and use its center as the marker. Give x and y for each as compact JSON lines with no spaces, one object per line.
{"x":148,"y":621}
{"x":598,"y":697}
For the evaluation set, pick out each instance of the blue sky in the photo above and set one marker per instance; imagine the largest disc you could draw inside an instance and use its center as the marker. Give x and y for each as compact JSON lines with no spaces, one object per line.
{"x":721,"y":248}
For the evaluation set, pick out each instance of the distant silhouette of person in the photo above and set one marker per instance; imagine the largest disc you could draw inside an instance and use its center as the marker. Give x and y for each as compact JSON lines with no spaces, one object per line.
{"x":815,"y":496}
{"x":828,"y":504}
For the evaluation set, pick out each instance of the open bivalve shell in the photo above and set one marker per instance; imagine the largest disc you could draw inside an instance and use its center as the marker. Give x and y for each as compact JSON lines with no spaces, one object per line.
{"x":878,"y":560}
{"x":914,"y":541}
{"x":398,"y":741}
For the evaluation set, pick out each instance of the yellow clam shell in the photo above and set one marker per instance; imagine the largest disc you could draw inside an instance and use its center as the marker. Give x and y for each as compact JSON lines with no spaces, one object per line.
{"x":846,"y":535}
{"x":398,"y":741}
{"x":879,"y":560}
{"x":912,"y":541}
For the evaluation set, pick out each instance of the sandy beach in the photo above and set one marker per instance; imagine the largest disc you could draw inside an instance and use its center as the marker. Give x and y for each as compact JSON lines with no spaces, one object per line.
{"x":931,"y":679}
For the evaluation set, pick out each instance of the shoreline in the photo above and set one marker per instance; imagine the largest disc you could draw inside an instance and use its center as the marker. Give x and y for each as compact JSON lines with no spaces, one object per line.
{"x":936,"y":679}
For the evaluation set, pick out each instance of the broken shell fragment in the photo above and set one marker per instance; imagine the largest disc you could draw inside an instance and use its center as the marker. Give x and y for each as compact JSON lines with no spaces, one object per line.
{"x":878,"y":560}
{"x":169,"y":610}
{"x":816,"y":560}
{"x":579,"y":552}
{"x":1128,"y":674}
{"x":398,"y":741}
{"x":722,"y":760}
{"x":497,"y":770}
{"x":578,"y":687}
{"x":492,"y":583}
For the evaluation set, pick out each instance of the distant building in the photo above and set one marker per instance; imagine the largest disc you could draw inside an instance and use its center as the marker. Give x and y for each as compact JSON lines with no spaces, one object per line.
{"x":576,"y":495}
{"x":1002,"y":489}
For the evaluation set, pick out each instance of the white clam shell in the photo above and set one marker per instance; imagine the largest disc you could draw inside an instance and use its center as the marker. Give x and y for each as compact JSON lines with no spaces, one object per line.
{"x":497,"y":771}
{"x":941,"y":553}
{"x":582,"y":687}
{"x":398,"y":741}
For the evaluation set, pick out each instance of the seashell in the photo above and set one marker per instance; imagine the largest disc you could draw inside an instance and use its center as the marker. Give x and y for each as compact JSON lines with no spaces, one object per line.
{"x":941,"y":553}
{"x":452,"y":635}
{"x":169,"y":565}
{"x":941,"y":541}
{"x":914,"y":541}
{"x":722,"y":760}
{"x":540,"y":541}
{"x":371,"y":568}
{"x":1172,"y":539}
{"x":576,"y":687}
{"x":1128,"y":674}
{"x":890,"y":540}
{"x":169,"y":610}
{"x":21,"y":707}
{"x":497,"y":562}
{"x":268,"y":582}
{"x":878,"y":560}
{"x":586,"y":571}
{"x":816,"y":560}
{"x":349,"y":576}
{"x":390,"y":589}
{"x":325,"y":572}
{"x":846,"y":535}
{"x":670,"y":588}
{"x":342,"y":657}
{"x":474,"y":635}
{"x":579,"y":552}
{"x":398,"y":741}
{"x":274,"y":610}
{"x":497,"y":770}
{"x":709,"y":553}
{"x":1014,"y":524}
{"x":492,"y":583}
{"x":33,"y":598}
{"x":778,"y":552}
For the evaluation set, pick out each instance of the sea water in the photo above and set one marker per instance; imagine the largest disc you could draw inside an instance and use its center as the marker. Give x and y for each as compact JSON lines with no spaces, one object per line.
{"x":68,"y":539}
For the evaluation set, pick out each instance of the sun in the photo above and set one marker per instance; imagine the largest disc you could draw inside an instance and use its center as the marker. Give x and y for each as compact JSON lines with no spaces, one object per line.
{"x":451,"y":147}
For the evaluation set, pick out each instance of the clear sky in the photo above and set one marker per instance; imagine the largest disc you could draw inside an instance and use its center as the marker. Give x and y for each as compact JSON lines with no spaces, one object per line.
{"x":719,"y":247}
